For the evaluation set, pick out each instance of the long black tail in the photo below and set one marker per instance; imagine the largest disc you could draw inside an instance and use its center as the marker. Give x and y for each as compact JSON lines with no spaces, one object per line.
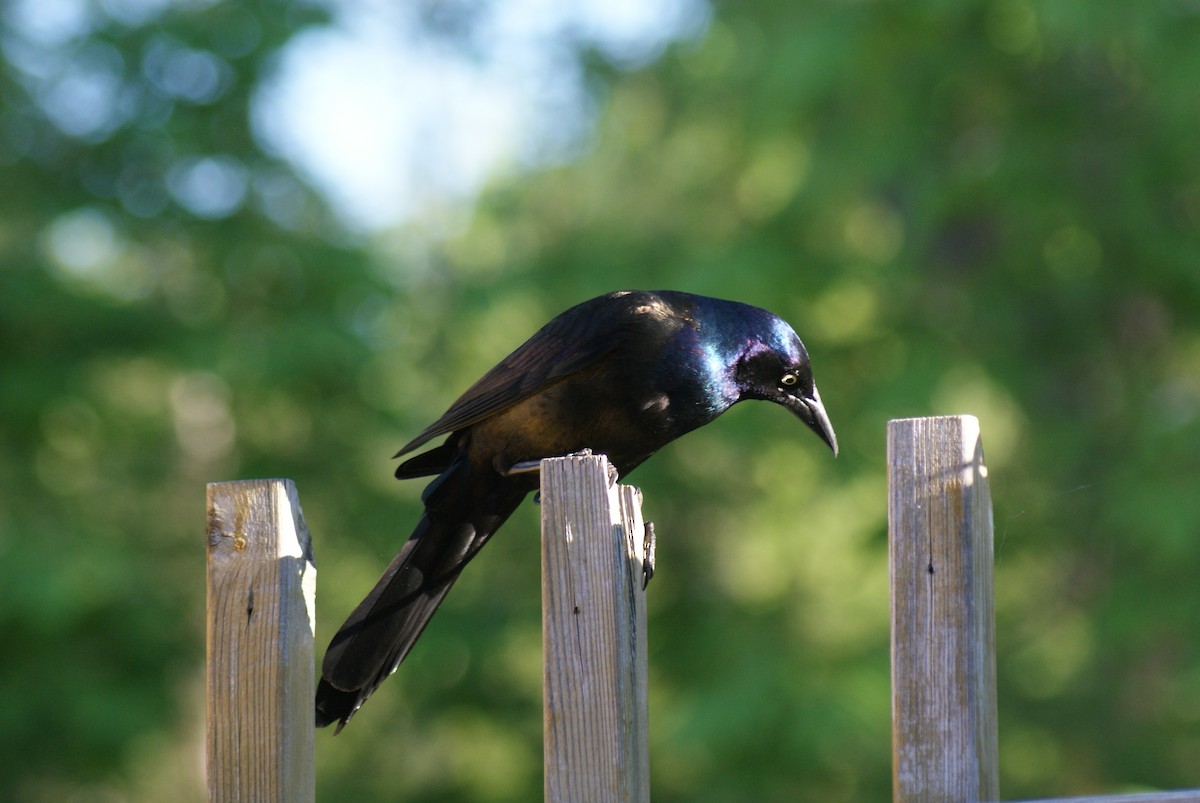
{"x":462,"y":510}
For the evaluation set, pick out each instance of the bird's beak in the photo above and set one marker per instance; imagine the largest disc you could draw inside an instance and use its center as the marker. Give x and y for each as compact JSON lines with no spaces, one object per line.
{"x":812,"y":412}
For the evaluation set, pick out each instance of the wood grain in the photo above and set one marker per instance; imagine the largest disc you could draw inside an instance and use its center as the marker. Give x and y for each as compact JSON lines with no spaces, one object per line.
{"x":594,"y":635}
{"x":944,"y":734}
{"x":261,"y":616}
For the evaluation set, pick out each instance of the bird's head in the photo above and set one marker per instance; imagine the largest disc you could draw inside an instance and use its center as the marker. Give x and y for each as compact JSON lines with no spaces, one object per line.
{"x":776,"y":368}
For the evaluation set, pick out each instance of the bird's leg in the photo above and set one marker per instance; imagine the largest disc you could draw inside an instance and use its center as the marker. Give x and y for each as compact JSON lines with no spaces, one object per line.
{"x":533,"y":466}
{"x":522,"y":467}
{"x":648,"y":545}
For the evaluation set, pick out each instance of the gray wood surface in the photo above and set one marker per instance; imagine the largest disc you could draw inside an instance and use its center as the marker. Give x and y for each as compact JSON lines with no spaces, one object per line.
{"x":944,"y":736}
{"x":594,"y":635}
{"x":261,"y":615}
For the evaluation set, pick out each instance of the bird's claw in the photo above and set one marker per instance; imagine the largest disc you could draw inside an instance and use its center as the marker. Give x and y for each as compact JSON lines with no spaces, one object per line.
{"x":535,"y":466}
{"x":613,"y":474}
{"x":648,"y":545}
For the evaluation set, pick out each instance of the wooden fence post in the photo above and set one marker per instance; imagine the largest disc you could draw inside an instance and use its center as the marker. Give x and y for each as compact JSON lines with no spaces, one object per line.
{"x":593,"y":634}
{"x":261,"y":587}
{"x":944,"y":737}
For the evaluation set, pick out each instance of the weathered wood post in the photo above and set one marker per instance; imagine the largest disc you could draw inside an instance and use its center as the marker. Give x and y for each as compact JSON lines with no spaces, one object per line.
{"x":944,"y":736}
{"x":593,"y":635}
{"x":261,"y":588}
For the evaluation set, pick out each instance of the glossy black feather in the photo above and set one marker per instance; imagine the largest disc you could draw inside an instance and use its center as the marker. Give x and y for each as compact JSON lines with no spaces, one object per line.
{"x":622,"y":375}
{"x":570,"y":342}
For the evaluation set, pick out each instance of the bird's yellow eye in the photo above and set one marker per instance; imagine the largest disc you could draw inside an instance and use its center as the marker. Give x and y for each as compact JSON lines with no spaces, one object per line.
{"x":788,"y":380}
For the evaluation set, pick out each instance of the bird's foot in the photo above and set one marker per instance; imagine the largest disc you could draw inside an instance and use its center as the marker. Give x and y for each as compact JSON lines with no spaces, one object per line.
{"x":648,"y":545}
{"x":613,"y":474}
{"x":534,"y":466}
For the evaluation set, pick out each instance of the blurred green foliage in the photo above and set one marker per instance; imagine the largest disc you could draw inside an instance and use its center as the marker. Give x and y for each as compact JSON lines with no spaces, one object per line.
{"x":974,"y":206}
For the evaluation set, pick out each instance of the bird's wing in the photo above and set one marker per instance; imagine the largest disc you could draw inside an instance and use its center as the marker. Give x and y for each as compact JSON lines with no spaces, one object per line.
{"x":569,"y":343}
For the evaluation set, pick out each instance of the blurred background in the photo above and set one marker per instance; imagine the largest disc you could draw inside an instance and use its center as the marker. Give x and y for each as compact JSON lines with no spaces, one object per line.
{"x":259,"y":239}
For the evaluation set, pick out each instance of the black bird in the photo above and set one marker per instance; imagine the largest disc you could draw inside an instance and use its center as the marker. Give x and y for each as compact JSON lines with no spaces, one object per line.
{"x":622,"y":375}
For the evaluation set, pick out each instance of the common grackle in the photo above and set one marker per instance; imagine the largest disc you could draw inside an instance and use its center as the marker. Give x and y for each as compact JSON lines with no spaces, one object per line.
{"x":622,"y":375}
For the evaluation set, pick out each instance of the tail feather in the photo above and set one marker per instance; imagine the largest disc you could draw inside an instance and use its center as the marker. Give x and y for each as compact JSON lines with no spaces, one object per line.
{"x":462,"y":512}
